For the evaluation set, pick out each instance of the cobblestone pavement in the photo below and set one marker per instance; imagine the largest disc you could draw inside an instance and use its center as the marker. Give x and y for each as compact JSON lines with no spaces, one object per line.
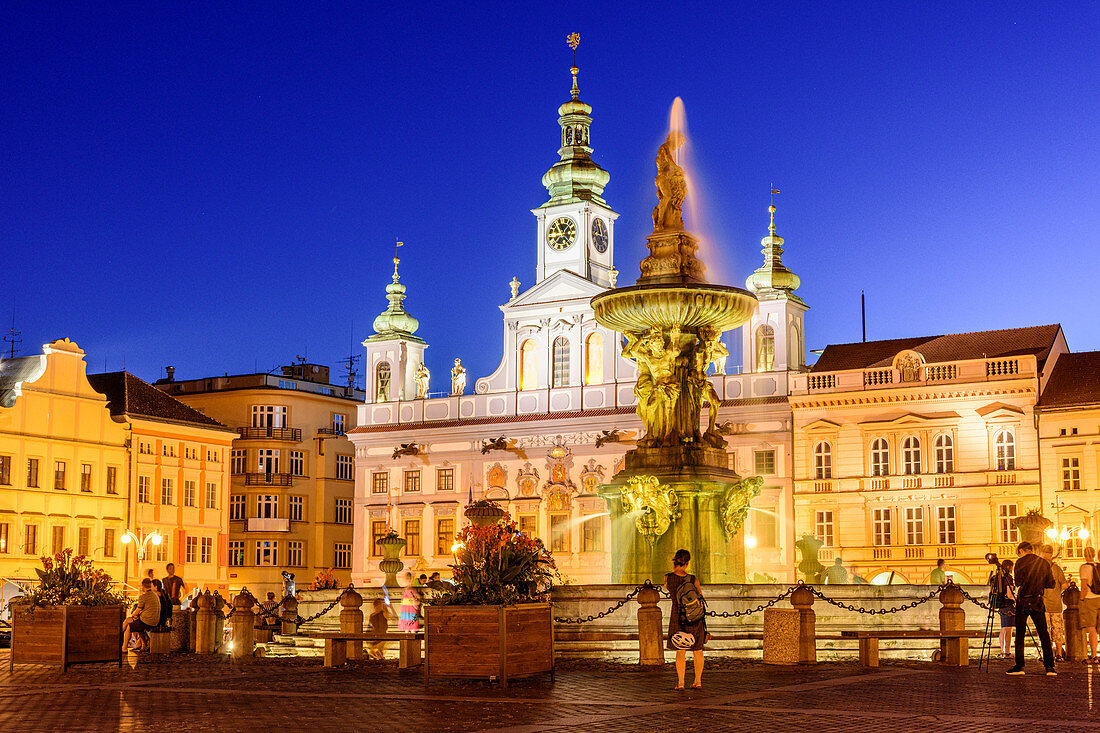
{"x":185,"y":692}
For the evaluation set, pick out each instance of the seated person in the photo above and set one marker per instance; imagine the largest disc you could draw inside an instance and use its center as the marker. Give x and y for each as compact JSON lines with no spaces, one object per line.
{"x":380,"y":624}
{"x":146,"y":615}
{"x":165,"y":604}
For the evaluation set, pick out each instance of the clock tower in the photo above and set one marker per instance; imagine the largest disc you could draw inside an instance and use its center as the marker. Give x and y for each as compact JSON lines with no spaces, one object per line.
{"x":576,"y":226}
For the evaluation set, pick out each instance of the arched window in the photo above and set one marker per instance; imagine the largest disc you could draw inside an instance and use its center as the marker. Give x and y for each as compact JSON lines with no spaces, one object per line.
{"x":593,"y":359}
{"x":382,"y":382}
{"x":561,"y":362}
{"x":823,"y":460}
{"x":794,"y":348}
{"x":1005,"y":443}
{"x":880,"y":457}
{"x":528,"y":365}
{"x":910,"y":453}
{"x":765,"y":349}
{"x":945,"y":454}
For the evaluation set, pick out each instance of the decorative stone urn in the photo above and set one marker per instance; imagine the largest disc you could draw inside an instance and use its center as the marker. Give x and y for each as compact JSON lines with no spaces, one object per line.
{"x":392,"y":545}
{"x":484,"y":515}
{"x":809,"y":567}
{"x":1031,"y":526}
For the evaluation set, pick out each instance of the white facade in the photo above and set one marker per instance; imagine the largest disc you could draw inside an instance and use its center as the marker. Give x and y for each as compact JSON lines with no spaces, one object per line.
{"x":560,"y":384}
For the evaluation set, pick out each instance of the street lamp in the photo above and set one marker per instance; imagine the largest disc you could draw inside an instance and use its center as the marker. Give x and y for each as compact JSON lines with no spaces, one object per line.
{"x":141,"y":543}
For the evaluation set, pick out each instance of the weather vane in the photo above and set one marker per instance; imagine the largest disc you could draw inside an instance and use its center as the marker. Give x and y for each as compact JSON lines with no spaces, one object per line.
{"x":775,"y":191}
{"x":574,"y":40}
{"x":397,"y":243}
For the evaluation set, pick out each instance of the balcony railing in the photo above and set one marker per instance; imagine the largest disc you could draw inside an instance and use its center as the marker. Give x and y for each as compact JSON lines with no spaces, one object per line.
{"x":330,"y":431}
{"x":292,"y":434}
{"x":268,"y":524}
{"x":267,"y":479}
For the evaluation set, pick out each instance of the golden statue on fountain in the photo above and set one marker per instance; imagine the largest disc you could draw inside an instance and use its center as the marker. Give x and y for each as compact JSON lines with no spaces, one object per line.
{"x":672,"y":321}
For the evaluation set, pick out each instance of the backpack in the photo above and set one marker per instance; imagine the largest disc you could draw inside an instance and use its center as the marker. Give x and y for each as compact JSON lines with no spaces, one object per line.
{"x":1094,"y":581}
{"x":693,"y":607}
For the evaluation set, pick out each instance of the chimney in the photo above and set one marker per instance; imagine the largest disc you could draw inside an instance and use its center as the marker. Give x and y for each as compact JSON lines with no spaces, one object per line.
{"x":171,"y":371}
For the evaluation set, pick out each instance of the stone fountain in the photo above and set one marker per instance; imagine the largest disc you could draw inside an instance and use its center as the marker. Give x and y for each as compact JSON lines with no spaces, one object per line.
{"x":676,"y":489}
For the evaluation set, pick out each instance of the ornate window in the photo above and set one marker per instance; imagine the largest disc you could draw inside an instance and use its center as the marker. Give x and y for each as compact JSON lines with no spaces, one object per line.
{"x":945,"y":454}
{"x":823,"y":460}
{"x":880,"y":457}
{"x":910,"y":453}
{"x":882,"y":526}
{"x":794,"y":348}
{"x":593,"y":359}
{"x":561,"y":362}
{"x":765,"y":349}
{"x":823,"y":527}
{"x":382,"y":382}
{"x":528,"y":365}
{"x":914,"y":525}
{"x":1005,"y":443}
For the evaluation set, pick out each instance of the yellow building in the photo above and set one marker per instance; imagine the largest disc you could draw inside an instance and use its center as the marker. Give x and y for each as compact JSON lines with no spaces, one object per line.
{"x":178,"y":474}
{"x":910,"y":450}
{"x":63,"y":464}
{"x":292,"y":481}
{"x":1069,"y":452}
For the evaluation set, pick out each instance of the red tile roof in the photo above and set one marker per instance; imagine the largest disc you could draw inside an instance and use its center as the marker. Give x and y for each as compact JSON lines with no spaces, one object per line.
{"x":1075,"y":381}
{"x":128,"y":395}
{"x":1036,"y":340}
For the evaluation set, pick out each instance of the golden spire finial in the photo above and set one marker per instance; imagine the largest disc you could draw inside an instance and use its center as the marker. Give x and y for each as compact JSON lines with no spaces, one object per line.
{"x":771,"y":211}
{"x":574,"y":40}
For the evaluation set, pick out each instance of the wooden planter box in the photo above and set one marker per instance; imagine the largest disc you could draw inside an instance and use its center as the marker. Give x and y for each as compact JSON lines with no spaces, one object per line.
{"x":489,"y":641}
{"x":64,"y":635}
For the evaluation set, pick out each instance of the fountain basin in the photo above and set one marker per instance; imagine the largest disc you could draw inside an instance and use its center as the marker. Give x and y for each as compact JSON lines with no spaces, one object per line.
{"x":638,"y":307}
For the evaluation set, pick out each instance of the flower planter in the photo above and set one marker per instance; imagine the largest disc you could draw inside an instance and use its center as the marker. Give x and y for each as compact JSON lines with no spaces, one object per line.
{"x":483,"y":516}
{"x":499,"y":642}
{"x":64,"y":635}
{"x":391,"y":565}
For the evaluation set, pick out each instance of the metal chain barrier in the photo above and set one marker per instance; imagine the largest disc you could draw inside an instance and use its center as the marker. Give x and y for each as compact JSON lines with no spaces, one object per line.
{"x":987,"y":605}
{"x":328,"y":608}
{"x":876,"y":611}
{"x":750,"y":611}
{"x":608,"y":612}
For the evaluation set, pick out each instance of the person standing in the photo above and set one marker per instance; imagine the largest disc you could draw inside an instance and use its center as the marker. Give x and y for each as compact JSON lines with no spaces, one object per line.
{"x":1004,"y":600}
{"x":1052,"y":600}
{"x":684,"y":590}
{"x":939,"y":575}
{"x":1090,"y":599}
{"x":173,"y":585}
{"x":836,"y":574}
{"x":409,"y":619}
{"x":1033,"y":577}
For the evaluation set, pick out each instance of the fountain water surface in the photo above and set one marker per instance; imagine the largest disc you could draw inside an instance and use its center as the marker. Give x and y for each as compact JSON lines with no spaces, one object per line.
{"x":676,"y":490}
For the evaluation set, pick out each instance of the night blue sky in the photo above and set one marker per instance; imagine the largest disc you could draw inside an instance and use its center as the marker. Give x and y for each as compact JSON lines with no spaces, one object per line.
{"x":219,"y":188}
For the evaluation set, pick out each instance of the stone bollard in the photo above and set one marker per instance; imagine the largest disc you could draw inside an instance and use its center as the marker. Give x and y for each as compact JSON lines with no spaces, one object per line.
{"x":351,"y":621}
{"x":651,"y":650}
{"x":1071,"y":615}
{"x":181,"y":635}
{"x":803,"y":600}
{"x":954,"y":652}
{"x":290,"y":615}
{"x":244,"y":622}
{"x":192,"y":625}
{"x":205,"y":624}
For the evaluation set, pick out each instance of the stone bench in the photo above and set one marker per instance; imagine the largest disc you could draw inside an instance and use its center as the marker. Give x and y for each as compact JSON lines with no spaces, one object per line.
{"x":160,"y":640}
{"x":336,"y":645}
{"x":956,"y":641}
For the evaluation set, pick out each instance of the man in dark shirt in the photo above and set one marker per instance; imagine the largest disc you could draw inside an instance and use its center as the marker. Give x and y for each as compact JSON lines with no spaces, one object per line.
{"x":173,"y":585}
{"x":1033,"y":576}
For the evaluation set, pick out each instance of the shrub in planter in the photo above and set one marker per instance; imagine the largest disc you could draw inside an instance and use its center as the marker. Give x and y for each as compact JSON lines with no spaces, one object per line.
{"x":497,"y":620}
{"x":73,"y":615}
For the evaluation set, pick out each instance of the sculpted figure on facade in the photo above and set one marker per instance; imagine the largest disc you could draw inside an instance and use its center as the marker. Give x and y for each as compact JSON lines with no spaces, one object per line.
{"x":657,"y":505}
{"x":671,"y":186}
{"x":422,"y":376}
{"x":909,"y":365}
{"x":458,"y":378}
{"x":707,"y":349}
{"x":658,"y":386}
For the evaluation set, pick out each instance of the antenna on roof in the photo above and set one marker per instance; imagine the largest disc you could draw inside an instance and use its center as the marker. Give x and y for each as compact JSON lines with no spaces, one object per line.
{"x":13,"y":336}
{"x":863,"y":314}
{"x":351,"y":361}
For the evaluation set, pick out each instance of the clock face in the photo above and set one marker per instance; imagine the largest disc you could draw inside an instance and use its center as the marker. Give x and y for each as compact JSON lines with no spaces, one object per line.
{"x":562,"y":233}
{"x":599,"y":235}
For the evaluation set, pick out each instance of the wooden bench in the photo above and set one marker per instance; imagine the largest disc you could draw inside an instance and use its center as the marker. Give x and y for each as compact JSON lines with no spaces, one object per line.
{"x":336,"y":645}
{"x":160,"y":640}
{"x":957,"y":654}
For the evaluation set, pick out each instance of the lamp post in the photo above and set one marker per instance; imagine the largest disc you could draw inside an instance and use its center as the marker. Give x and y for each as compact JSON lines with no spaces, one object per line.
{"x":141,"y":543}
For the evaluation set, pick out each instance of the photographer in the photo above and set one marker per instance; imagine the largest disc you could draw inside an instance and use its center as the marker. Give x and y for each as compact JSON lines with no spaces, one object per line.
{"x":1033,"y":577}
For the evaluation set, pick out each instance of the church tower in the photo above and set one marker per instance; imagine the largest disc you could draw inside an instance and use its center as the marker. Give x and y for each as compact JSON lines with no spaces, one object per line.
{"x":394,"y":351}
{"x":575,"y":226}
{"x":773,"y":340}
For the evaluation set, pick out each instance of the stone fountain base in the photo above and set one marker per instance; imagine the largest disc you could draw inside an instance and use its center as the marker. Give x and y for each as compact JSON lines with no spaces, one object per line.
{"x":701,"y":482}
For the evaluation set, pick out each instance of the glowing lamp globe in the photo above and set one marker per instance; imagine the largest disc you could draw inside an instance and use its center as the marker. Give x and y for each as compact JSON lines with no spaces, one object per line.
{"x":126,"y":539}
{"x":750,"y":541}
{"x":1084,"y":533}
{"x":1052,"y":532}
{"x":156,"y":539}
{"x":1063,"y":535}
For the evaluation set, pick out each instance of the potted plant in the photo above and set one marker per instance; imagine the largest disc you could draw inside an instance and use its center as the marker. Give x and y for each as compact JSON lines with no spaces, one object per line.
{"x":484,"y":512}
{"x":72,"y":616}
{"x":497,"y":621}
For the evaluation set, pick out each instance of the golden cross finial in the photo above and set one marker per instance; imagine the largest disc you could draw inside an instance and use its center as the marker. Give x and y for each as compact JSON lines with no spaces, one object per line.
{"x":771,"y":210}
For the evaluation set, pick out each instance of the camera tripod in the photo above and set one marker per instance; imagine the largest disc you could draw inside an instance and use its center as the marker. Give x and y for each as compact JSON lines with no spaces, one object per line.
{"x":997,"y":600}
